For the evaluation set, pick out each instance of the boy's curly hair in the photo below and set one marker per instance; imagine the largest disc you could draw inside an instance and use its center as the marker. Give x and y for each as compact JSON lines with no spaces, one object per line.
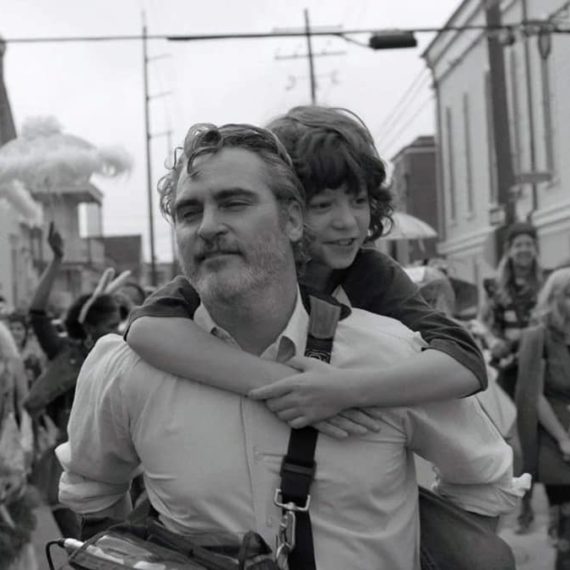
{"x":331,"y":146}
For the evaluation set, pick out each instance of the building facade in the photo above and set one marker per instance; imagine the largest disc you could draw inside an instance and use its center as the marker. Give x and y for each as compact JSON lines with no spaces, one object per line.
{"x":415,"y":190}
{"x":537,"y":75}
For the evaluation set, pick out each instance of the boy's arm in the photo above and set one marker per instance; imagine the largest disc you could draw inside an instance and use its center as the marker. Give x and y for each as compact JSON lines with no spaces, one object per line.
{"x":378,"y":284}
{"x":180,"y":347}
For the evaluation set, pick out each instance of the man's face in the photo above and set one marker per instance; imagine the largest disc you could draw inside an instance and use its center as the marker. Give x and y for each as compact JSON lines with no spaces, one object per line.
{"x":233,"y":236}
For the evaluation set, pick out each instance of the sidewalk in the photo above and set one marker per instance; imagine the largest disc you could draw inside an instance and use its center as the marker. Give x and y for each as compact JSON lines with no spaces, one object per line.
{"x":532,"y":551}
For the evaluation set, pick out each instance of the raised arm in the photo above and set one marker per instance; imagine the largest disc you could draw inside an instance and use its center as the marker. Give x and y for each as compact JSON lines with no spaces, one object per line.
{"x":45,"y":332}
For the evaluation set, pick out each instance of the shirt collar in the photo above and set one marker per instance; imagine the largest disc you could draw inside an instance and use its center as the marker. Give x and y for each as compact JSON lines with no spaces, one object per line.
{"x":290,"y":342}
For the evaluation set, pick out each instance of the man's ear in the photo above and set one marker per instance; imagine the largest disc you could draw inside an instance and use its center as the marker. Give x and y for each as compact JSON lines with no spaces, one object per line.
{"x":295,"y":221}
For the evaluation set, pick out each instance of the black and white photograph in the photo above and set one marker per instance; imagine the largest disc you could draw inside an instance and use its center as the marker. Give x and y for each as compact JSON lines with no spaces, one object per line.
{"x":284,"y":285}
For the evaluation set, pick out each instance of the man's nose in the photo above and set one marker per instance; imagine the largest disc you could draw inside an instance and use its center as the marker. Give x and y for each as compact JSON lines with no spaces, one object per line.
{"x":211,"y":224}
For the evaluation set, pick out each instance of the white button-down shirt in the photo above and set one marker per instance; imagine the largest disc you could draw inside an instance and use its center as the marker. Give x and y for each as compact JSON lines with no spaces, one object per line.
{"x":211,"y":459}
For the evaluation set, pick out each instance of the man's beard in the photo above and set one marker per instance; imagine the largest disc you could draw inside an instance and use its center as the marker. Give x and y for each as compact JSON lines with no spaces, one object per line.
{"x":258,"y":267}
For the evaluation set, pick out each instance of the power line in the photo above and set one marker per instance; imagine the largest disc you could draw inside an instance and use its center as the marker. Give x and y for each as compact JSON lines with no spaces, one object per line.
{"x":395,"y":138}
{"x":289,"y":34}
{"x":408,"y":96}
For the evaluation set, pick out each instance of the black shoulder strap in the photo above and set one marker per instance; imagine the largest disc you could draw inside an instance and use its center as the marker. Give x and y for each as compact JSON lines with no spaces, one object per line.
{"x":298,"y":466}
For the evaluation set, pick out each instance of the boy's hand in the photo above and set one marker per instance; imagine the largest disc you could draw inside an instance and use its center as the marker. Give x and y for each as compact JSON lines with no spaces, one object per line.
{"x":319,"y":395}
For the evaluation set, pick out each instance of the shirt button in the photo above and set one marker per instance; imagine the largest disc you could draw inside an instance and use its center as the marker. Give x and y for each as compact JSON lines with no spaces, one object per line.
{"x":257,"y":455}
{"x":270,"y":521}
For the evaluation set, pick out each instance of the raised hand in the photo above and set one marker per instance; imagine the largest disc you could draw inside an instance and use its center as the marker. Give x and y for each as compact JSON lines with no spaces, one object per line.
{"x":55,"y":241}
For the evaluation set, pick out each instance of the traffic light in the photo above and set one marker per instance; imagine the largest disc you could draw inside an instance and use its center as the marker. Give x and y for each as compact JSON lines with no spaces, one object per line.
{"x":392,"y":40}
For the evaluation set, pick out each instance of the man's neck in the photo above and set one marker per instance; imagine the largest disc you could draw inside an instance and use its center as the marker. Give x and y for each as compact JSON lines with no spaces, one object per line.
{"x":256,"y":318}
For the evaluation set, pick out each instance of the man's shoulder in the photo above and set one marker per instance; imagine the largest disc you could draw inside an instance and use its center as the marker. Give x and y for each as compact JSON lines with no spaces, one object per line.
{"x":112,"y":347}
{"x":111,"y":357}
{"x":378,"y":324}
{"x":375,"y":340}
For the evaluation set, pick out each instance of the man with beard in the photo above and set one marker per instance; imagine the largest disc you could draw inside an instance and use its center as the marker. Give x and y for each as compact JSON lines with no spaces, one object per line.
{"x":211,"y":459}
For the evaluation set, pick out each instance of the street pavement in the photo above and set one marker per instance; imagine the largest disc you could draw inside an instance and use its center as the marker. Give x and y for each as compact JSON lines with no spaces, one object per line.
{"x":532,"y":551}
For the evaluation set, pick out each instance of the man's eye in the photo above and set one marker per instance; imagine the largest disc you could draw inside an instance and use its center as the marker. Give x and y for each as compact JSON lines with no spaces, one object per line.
{"x":188,"y":214}
{"x":234,"y":205}
{"x":361,"y":200}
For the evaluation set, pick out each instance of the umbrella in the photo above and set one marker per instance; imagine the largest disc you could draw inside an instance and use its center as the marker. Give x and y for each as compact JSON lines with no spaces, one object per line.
{"x":458,"y":295}
{"x":44,"y":158}
{"x":406,"y":226}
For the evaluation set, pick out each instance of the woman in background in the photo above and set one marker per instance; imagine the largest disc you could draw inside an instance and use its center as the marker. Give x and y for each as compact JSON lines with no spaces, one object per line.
{"x":507,"y":313}
{"x":543,"y":397}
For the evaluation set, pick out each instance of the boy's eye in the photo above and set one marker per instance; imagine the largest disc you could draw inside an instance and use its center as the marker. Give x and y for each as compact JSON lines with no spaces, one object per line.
{"x":319,"y":205}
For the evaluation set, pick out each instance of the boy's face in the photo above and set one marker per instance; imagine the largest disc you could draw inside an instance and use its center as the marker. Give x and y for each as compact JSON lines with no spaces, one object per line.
{"x":339,"y":220}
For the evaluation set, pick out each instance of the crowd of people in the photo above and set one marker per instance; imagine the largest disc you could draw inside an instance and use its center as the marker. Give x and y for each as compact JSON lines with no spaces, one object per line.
{"x":39,"y":366}
{"x":197,"y":397}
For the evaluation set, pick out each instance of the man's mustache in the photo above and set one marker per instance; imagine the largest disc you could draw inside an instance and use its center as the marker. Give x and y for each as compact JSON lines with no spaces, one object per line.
{"x":216,"y":248}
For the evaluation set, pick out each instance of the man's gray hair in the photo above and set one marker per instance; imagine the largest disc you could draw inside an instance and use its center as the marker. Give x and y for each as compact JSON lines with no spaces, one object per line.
{"x":206,"y":138}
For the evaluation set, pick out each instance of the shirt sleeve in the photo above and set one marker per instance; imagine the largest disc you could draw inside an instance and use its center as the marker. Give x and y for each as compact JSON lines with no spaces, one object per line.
{"x":175,"y":299}
{"x":48,"y":338}
{"x":99,"y":459}
{"x":378,"y":284}
{"x":472,"y":461}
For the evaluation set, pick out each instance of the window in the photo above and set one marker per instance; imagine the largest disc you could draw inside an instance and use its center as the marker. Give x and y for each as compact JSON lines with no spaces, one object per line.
{"x":468,"y":157}
{"x":493,"y":183}
{"x":515,"y":112}
{"x":450,"y":164}
{"x":547,"y":114}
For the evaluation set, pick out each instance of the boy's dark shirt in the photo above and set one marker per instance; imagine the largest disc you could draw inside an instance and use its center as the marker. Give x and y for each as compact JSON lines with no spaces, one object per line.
{"x":375,"y":283}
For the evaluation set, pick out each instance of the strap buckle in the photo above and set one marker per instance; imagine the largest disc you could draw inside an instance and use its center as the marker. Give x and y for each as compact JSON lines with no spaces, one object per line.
{"x":285,"y":539}
{"x":290,"y":506}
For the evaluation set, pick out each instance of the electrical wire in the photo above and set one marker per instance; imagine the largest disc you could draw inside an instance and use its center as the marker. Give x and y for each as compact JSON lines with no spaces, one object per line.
{"x":386,"y":146}
{"x":289,"y":34}
{"x":408,"y":97}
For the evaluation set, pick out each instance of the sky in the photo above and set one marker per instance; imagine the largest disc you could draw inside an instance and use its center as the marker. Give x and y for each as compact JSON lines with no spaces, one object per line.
{"x":95,"y":89}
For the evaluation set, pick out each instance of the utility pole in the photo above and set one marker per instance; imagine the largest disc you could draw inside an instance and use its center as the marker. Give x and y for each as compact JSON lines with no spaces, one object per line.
{"x":310,"y":58}
{"x":153,"y":275}
{"x":310,"y":55}
{"x":530,"y":106}
{"x":500,"y":114}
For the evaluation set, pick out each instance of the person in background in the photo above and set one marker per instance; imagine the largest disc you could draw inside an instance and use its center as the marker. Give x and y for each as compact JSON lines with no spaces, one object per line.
{"x":90,"y":317}
{"x":543,"y":398}
{"x":511,"y":300}
{"x":30,"y":351}
{"x":17,"y":520}
{"x":506,"y":313}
